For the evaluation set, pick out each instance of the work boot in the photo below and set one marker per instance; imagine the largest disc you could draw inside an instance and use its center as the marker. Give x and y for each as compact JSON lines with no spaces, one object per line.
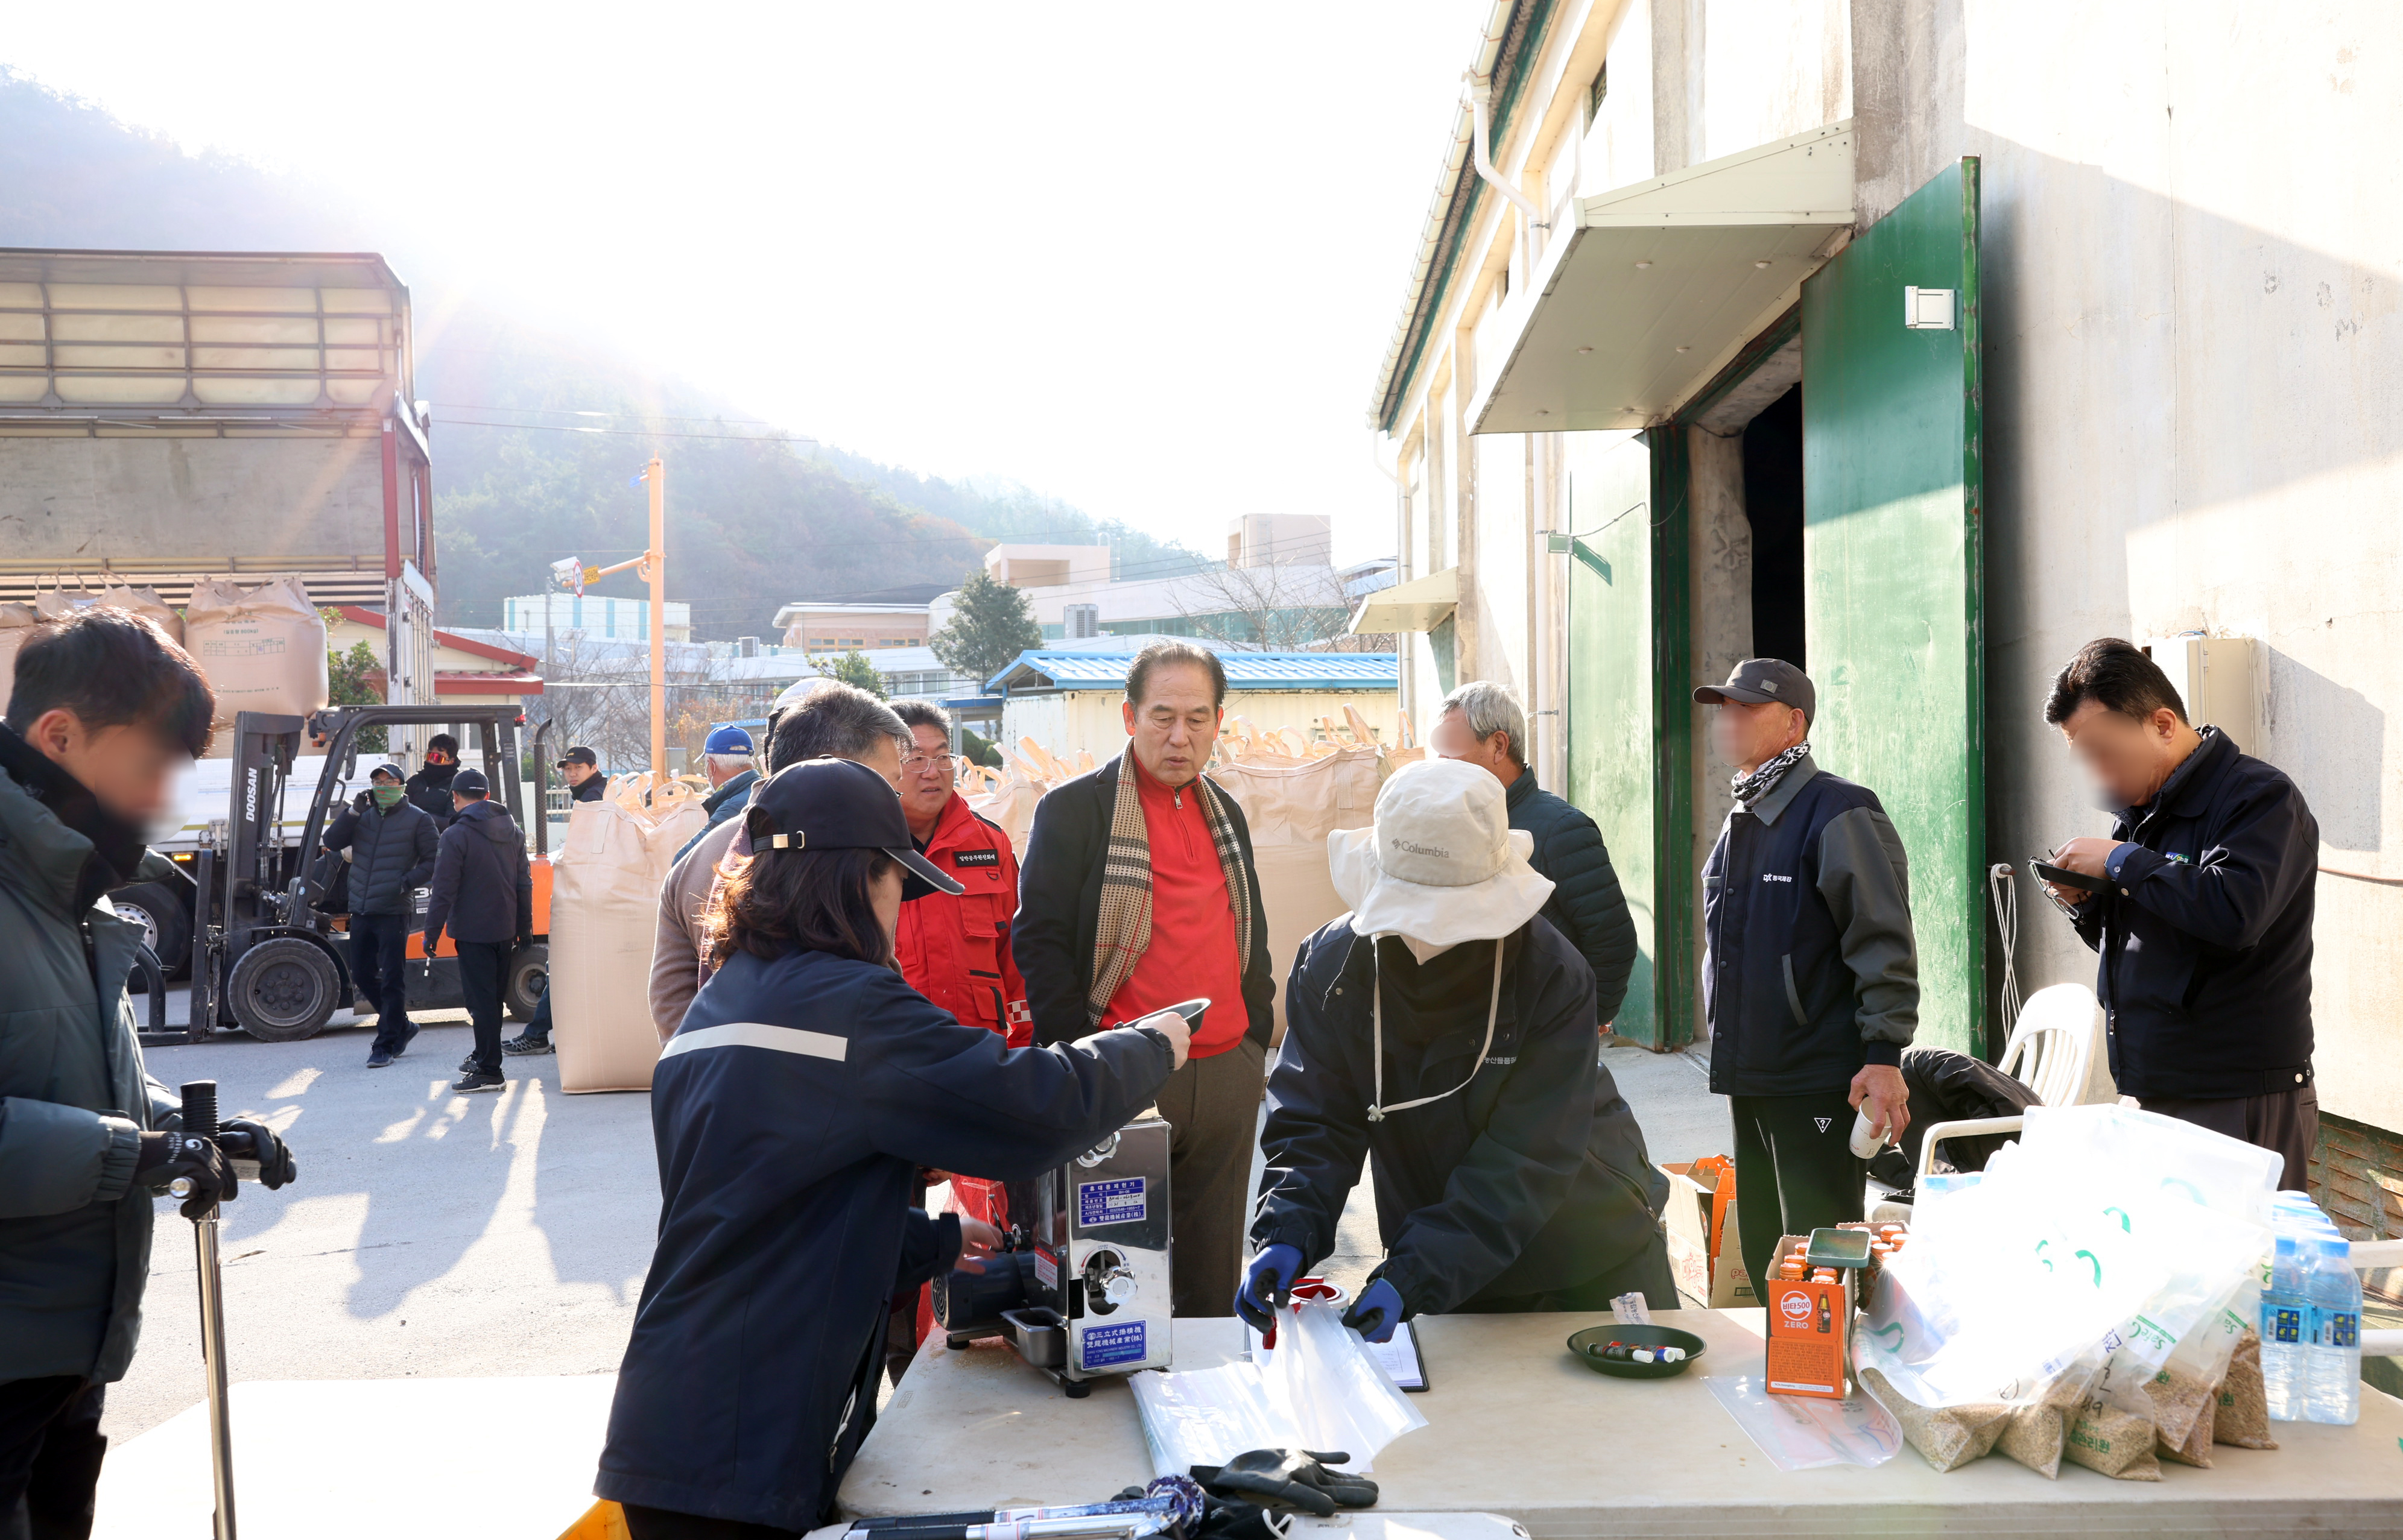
{"x":378,"y":1059}
{"x":477,"y":1081}
{"x":526,"y":1043}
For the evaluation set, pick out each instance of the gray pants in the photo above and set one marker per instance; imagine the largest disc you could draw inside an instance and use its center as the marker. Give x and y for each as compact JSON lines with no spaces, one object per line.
{"x":2287,"y":1121}
{"x":1213,"y":1107}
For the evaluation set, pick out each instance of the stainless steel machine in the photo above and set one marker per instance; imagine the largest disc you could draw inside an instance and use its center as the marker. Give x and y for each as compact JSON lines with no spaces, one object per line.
{"x":1084,"y":1291}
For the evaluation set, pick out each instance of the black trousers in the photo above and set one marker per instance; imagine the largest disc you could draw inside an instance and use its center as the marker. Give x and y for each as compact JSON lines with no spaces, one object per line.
{"x":667,"y":1524}
{"x":378,"y":963}
{"x":50,"y":1449}
{"x":1647,"y":1273}
{"x":1795,"y":1170}
{"x":484,"y":981}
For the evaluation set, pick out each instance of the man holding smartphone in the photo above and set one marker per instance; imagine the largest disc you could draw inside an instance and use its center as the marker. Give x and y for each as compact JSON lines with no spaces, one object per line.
{"x":2202,"y":910}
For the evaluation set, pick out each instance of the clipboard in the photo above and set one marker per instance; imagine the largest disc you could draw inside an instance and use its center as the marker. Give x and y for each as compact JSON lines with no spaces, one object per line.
{"x":1399,"y":1357}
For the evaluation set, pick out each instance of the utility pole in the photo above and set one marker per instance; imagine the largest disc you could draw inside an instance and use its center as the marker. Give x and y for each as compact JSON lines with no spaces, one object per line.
{"x":655,"y":562}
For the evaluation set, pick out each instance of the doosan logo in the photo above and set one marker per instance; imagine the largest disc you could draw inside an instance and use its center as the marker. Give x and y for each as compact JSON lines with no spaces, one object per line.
{"x":1795,"y":1306}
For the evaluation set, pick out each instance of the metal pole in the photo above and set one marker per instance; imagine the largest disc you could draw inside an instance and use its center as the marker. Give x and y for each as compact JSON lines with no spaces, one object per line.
{"x":655,"y":570}
{"x":201,"y":1121}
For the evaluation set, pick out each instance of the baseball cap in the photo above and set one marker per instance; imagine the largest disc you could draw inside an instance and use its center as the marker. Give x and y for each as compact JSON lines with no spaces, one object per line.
{"x":580,"y":756}
{"x":835,"y":804}
{"x":1758,"y":681}
{"x":388,"y":768}
{"x":472,"y":781}
{"x":729,"y":739}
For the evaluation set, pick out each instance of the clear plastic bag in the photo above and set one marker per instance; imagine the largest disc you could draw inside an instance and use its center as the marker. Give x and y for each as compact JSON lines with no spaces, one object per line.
{"x":1319,"y":1390}
{"x":1805,"y":1432}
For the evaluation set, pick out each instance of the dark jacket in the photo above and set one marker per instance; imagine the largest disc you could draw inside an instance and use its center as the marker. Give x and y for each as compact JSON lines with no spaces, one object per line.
{"x":483,"y":890}
{"x":430,"y":789}
{"x":1059,"y":908}
{"x":1532,"y":1178}
{"x":792,"y":1111}
{"x":1586,"y":905}
{"x":595,"y":787}
{"x":392,"y":854}
{"x":75,"y":1231}
{"x":1812,"y":970}
{"x":1947,"y":1087}
{"x":2205,"y":932}
{"x":726,"y":801}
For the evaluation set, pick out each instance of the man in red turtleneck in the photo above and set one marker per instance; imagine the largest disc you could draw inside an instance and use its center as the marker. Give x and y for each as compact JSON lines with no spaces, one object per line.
{"x":1138,"y":893}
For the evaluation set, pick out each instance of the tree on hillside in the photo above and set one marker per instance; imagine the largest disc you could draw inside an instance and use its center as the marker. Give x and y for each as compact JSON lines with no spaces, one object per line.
{"x":992,"y":625}
{"x":852,"y":668}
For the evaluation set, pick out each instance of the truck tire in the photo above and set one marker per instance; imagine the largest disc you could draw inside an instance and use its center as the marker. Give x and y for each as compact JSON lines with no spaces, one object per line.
{"x":529,"y":975}
{"x":166,"y":924}
{"x":283,"y":989}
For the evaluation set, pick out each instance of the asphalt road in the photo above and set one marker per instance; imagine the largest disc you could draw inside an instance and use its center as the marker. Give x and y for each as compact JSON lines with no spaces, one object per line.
{"x":498,"y":1234}
{"x":428,"y":1233}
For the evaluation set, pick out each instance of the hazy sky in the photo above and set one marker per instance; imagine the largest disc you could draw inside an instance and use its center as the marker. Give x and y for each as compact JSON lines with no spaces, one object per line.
{"x":1144,"y":257}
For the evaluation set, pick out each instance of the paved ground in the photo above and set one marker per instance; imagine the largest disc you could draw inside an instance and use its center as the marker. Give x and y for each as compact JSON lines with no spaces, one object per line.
{"x":502,"y":1234}
{"x":430,"y":1234}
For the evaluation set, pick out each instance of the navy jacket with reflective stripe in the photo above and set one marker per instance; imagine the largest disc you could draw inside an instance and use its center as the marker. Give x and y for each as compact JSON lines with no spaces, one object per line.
{"x":791,"y":1112}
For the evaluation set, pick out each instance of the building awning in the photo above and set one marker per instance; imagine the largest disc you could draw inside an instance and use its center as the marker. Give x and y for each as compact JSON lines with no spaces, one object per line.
{"x":1420,"y":605}
{"x":1660,"y":284}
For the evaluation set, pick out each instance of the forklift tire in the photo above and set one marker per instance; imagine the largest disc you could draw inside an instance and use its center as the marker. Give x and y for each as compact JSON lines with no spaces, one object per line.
{"x":166,"y":924}
{"x":283,"y":989}
{"x":529,"y":977}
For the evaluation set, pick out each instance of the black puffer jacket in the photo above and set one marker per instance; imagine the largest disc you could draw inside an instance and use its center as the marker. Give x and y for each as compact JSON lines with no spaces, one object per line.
{"x":1586,"y":905}
{"x":430,"y":789}
{"x":392,"y":854}
{"x":1532,"y":1177}
{"x":483,"y":890}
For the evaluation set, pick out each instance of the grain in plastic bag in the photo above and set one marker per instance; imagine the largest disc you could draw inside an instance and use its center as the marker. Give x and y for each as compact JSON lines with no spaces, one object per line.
{"x":1322,"y":1380}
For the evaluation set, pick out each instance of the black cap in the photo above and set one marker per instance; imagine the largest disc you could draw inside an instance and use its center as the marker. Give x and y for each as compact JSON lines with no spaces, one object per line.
{"x":388,"y":768}
{"x":836,"y":804}
{"x":580,"y":756}
{"x":1758,"y":681}
{"x":472,"y":781}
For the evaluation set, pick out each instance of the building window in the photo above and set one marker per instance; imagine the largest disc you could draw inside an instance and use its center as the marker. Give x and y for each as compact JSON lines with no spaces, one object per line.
{"x":1596,"y":93}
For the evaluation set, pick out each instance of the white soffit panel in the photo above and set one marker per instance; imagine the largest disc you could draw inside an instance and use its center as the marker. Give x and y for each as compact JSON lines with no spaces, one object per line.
{"x":1637,"y":307}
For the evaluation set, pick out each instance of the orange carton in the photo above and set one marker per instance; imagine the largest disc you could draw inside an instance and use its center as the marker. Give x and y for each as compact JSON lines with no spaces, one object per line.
{"x":1810,"y":1329}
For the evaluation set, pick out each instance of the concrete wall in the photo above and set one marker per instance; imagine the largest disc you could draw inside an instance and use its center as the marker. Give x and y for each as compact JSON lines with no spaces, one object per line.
{"x":2194,"y":366}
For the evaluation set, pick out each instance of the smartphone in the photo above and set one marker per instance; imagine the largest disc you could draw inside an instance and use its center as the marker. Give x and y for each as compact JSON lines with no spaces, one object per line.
{"x":1189,"y":1009}
{"x":2062,"y":877}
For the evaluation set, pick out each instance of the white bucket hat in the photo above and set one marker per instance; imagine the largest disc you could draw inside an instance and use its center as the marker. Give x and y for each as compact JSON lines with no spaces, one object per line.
{"x":1441,"y":863}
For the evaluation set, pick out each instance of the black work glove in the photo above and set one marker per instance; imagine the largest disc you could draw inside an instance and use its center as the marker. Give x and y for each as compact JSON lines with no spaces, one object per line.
{"x":1232,"y":1518}
{"x":1299,"y":1477}
{"x":244,"y":1139}
{"x":166,"y":1156}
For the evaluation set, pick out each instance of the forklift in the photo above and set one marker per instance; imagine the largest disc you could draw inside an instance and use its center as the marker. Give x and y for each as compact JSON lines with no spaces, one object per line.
{"x":265,"y":956}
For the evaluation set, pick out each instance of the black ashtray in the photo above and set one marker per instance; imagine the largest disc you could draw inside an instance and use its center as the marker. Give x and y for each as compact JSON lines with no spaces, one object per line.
{"x":1588,"y":1344}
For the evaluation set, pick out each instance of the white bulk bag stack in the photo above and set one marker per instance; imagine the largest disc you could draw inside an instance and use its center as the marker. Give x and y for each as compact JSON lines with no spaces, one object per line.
{"x":605,"y":905}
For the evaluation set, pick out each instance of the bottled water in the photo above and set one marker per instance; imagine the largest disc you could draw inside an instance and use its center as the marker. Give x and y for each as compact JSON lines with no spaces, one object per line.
{"x":2333,"y":1378}
{"x":2285,"y":1330}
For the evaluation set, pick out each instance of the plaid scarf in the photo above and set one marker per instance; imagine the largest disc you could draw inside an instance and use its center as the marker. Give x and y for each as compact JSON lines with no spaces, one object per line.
{"x":1122,"y":932}
{"x":1760,"y":782}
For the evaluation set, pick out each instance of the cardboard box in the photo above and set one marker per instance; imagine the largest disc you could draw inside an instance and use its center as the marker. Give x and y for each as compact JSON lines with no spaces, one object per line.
{"x":1810,"y":1330}
{"x":1700,"y":1226}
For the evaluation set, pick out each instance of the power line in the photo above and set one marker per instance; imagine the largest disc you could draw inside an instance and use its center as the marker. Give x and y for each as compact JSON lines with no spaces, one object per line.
{"x":572,"y":412}
{"x":628,"y":433}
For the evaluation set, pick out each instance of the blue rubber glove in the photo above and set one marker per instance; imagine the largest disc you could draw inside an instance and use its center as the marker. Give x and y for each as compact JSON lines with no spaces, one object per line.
{"x":1377,"y":1312}
{"x":1266,"y":1286}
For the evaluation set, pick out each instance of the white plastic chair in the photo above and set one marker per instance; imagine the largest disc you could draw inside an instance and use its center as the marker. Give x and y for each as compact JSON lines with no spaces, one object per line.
{"x":2051,"y":1046}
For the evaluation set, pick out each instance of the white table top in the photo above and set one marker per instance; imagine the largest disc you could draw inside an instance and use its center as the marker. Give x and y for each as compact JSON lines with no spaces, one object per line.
{"x":1517,"y":1426}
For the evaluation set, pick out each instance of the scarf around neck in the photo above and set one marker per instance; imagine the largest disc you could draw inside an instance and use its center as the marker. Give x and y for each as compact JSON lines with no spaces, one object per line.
{"x":1760,"y":782}
{"x":1122,"y":929}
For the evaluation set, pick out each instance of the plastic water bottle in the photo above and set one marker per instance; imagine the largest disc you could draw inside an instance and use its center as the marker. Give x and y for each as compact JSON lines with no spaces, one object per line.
{"x":2286,"y":1331}
{"x":2333,"y":1381}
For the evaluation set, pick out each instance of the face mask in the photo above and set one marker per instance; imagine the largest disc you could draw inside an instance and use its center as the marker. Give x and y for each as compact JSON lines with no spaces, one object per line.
{"x":388,"y":798}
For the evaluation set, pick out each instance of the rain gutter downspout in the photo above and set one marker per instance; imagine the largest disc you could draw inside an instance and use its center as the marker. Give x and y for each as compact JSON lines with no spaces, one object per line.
{"x":1481,"y":100}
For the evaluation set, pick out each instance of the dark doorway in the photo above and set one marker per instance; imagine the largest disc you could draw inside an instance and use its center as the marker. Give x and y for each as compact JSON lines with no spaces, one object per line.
{"x":1773,"y":501}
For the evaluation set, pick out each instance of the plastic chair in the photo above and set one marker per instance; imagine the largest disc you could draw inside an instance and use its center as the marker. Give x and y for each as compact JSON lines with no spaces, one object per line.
{"x":2051,"y":1046}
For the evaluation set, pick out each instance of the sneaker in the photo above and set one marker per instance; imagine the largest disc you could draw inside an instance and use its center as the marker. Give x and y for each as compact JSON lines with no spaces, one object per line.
{"x":526,"y":1043}
{"x":468,"y":1065}
{"x":379,"y":1060}
{"x":411,"y":1036}
{"x":477,"y":1081}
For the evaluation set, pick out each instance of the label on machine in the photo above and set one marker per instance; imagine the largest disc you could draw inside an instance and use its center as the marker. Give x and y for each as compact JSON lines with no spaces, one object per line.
{"x":1047,"y":1269}
{"x":1120,"y":1344}
{"x":1118,"y":1201}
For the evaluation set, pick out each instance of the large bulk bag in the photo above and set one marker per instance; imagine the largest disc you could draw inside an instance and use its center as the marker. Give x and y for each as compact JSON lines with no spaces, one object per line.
{"x":58,"y":603}
{"x":1291,"y":808}
{"x":17,"y":622}
{"x":604,"y":906}
{"x":262,"y":648}
{"x":1004,"y":798}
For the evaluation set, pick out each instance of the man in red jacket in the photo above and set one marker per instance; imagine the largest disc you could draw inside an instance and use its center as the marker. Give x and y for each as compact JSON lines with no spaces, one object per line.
{"x":954,"y":949}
